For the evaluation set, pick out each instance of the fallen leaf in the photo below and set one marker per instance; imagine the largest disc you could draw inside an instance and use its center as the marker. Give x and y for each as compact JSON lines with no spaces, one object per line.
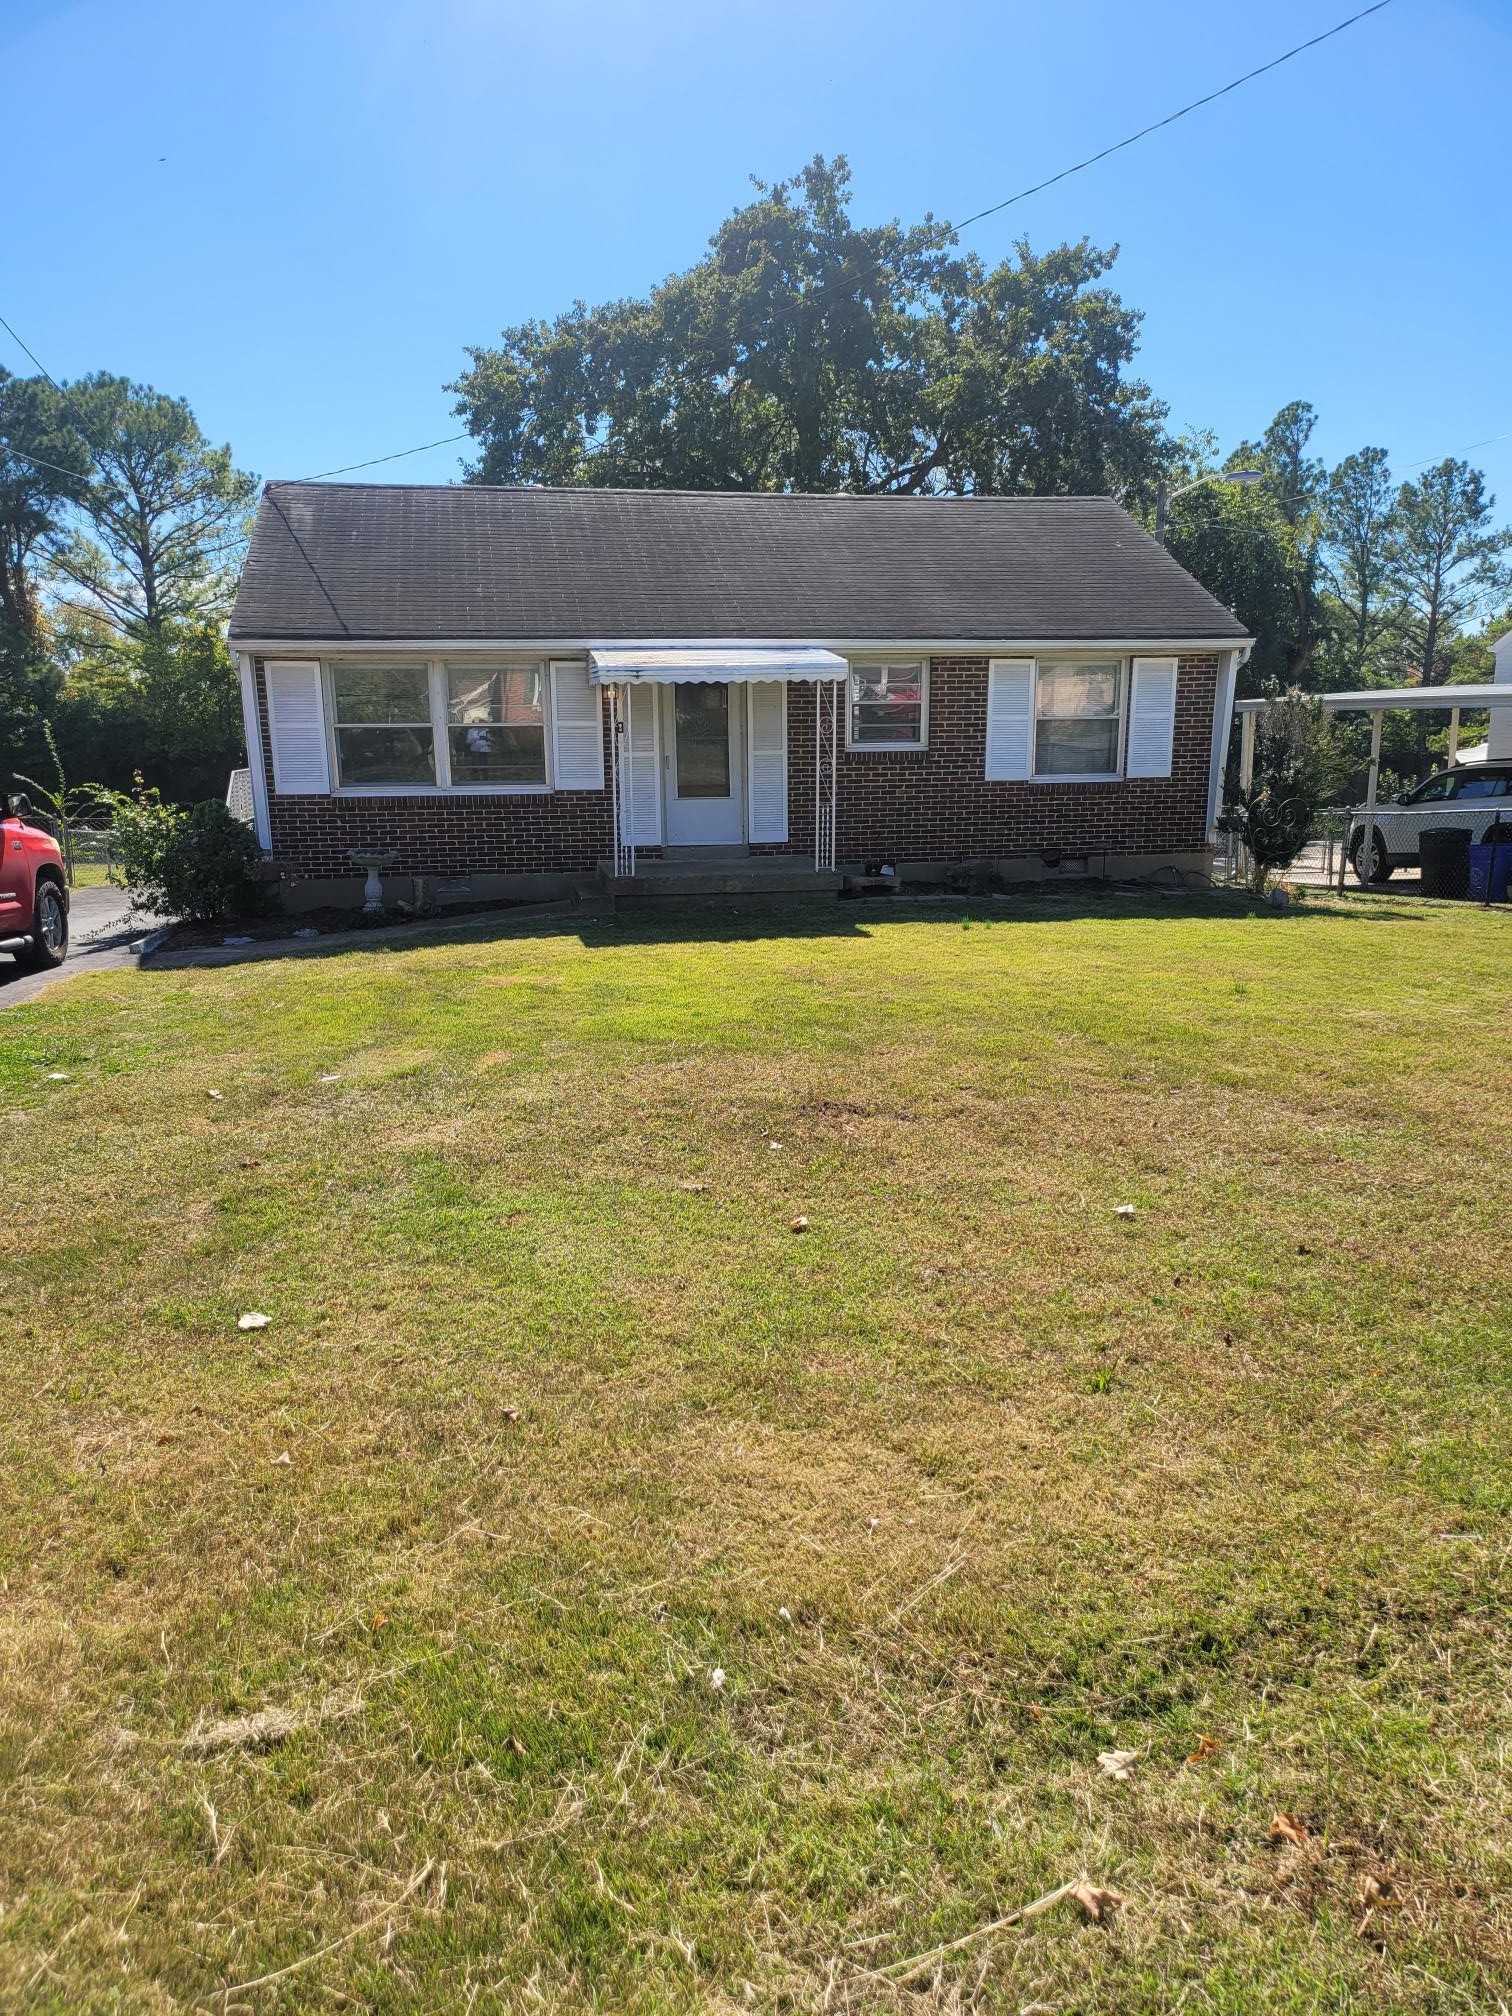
{"x":1375,"y":1890}
{"x":1228,"y":1336}
{"x":511,"y":1413}
{"x":250,"y":1162}
{"x":692,"y":1183}
{"x":253,"y":1320}
{"x":1094,"y":1900}
{"x":168,"y":1435}
{"x":1118,"y":1764}
{"x":1287,"y":1827}
{"x":1207,"y":1746}
{"x":515,"y":1746}
{"x":285,"y":1458}
{"x":380,"y":1620}
{"x":799,"y":1225}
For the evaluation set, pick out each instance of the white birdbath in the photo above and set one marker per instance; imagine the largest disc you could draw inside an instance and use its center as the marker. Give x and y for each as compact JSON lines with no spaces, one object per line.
{"x":372,"y":889}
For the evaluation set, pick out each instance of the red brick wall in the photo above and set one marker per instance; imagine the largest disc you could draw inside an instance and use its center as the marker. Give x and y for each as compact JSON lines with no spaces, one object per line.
{"x":557,"y":832}
{"x":936,"y":804}
{"x":911,"y":805}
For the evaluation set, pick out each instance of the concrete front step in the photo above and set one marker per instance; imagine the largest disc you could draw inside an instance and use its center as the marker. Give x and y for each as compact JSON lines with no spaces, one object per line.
{"x":749,"y":876}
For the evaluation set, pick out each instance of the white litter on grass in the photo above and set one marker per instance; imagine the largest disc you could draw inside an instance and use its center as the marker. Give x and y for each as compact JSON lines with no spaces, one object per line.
{"x":717,"y":1678}
{"x":1118,"y":1764}
{"x":329,"y":1077}
{"x":1123,"y":1210}
{"x":785,"y":1614}
{"x":58,"y":1077}
{"x":253,"y":1320}
{"x":213,"y":1094}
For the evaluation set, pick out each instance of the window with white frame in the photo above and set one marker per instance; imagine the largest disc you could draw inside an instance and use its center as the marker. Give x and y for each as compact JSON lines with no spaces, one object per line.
{"x":425,"y":724}
{"x":496,"y":723}
{"x":889,"y":705}
{"x":381,"y":723}
{"x":1078,"y":718}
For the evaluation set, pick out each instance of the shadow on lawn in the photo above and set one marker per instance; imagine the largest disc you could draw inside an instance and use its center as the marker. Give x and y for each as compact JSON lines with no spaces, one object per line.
{"x":731,"y":921}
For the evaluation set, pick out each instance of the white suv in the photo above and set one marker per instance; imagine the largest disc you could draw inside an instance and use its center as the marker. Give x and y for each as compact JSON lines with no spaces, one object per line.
{"x":1469,"y":796}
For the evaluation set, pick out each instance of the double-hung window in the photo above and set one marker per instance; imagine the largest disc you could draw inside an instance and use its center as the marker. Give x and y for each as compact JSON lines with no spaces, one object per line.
{"x":447,"y":725}
{"x":496,"y":723}
{"x":381,"y":718}
{"x":889,"y":706}
{"x":1078,"y":718}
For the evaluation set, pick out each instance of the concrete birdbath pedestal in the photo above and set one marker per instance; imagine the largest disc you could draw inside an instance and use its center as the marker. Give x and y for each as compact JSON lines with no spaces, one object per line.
{"x":372,"y":860}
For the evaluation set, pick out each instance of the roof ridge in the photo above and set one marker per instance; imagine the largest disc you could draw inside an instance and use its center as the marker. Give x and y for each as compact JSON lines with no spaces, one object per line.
{"x":740,"y":496}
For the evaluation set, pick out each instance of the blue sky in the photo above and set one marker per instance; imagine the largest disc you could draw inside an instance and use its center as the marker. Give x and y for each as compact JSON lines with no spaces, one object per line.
{"x":297,"y":215}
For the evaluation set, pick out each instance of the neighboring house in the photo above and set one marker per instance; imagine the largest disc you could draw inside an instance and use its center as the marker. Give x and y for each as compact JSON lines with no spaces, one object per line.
{"x":519,"y":688}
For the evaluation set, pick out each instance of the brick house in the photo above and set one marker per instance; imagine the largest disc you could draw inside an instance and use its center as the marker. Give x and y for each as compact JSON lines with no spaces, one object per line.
{"x":514,"y":689}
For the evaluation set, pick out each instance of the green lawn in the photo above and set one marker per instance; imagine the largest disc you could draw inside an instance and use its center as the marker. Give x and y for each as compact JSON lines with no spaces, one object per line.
{"x":974,"y":1479}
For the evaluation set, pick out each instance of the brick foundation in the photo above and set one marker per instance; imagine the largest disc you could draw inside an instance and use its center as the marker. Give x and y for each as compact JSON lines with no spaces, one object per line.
{"x":922,"y":805}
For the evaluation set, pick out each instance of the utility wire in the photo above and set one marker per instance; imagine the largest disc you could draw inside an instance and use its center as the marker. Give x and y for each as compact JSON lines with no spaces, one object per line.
{"x":397,"y":455}
{"x":1171,"y":118}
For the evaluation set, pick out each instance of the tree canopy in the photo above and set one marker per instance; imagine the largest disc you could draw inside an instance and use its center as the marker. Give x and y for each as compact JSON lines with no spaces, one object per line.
{"x":121,"y":533}
{"x":808,"y":352}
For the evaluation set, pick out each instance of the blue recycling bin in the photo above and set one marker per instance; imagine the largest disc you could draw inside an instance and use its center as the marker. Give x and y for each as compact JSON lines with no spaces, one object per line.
{"x":1491,"y":872}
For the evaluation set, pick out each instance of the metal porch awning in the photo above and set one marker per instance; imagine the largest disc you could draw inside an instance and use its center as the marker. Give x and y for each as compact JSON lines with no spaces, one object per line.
{"x":684,"y":664}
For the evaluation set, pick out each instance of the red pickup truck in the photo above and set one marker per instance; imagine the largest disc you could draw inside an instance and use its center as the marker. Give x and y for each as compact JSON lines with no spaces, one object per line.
{"x":33,"y":890}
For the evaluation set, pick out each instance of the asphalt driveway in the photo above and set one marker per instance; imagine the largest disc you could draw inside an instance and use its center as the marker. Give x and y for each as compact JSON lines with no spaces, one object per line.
{"x":102,"y":932}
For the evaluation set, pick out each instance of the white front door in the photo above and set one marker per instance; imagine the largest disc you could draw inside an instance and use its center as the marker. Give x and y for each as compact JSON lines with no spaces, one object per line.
{"x":705,"y":775}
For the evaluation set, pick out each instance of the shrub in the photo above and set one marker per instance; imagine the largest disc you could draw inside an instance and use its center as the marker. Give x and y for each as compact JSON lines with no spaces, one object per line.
{"x":1276,"y":816}
{"x":195,"y":861}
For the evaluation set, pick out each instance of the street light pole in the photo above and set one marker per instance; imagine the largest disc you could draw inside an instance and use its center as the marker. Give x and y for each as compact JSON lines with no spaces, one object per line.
{"x":1165,"y":498}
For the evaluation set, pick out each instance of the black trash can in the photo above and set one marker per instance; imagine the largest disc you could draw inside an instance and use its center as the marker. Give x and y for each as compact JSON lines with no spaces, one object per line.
{"x":1444,"y":856}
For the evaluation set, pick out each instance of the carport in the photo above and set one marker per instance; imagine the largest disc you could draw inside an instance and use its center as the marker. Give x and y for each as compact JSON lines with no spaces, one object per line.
{"x":1378,"y":702}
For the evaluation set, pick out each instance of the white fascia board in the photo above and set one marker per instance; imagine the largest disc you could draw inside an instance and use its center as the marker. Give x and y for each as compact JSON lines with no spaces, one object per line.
{"x":558,"y":647}
{"x":1388,"y":699}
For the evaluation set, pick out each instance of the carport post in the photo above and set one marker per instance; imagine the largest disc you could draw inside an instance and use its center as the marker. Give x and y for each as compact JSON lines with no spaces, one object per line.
{"x":1376,"y":720}
{"x":1453,"y":752}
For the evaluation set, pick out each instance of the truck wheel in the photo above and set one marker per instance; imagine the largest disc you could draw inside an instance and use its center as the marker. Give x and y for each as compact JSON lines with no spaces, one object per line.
{"x":49,"y":946}
{"x":1370,"y":861}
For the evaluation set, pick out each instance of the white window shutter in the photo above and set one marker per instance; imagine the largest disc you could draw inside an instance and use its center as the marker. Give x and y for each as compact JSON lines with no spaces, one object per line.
{"x":1152,"y":717}
{"x":577,"y":733}
{"x":766,"y":765}
{"x":296,"y":728}
{"x":644,"y":738}
{"x":1010,"y":719}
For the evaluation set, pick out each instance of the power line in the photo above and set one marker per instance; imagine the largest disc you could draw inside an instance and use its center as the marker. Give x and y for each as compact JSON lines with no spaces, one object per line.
{"x":373,"y":461}
{"x":1171,"y":118}
{"x":37,"y":462}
